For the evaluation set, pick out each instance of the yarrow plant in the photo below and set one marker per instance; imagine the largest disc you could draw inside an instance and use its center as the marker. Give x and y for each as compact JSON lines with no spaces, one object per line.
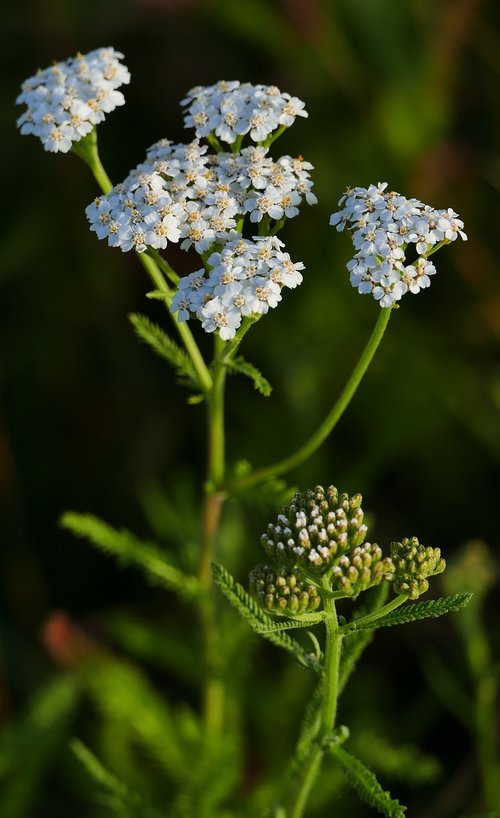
{"x":227,"y":205}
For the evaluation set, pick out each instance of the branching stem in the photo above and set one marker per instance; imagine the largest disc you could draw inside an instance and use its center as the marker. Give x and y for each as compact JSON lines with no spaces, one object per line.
{"x":332,"y":418}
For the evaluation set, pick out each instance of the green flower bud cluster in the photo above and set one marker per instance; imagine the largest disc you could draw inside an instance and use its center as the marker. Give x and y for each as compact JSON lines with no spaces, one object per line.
{"x":280,"y":591}
{"x":413,"y":563}
{"x":315,"y":529}
{"x":364,"y":567}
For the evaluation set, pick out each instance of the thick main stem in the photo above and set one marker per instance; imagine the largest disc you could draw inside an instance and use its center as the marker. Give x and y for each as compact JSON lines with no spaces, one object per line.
{"x":330,"y":696}
{"x":332,"y":418}
{"x":213,"y":699}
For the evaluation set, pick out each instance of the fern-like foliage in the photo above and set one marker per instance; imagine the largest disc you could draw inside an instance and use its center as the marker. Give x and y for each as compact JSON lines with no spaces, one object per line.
{"x":417,"y":610}
{"x":129,"y":550}
{"x":285,"y":624}
{"x":163,"y":345}
{"x":124,"y":696}
{"x":259,"y":621}
{"x":243,"y":367}
{"x":364,"y":782}
{"x":109,"y":791}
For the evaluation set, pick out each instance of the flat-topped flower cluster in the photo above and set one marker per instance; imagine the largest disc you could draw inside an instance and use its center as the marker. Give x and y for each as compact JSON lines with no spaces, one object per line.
{"x":184,"y":193}
{"x":67,"y":100}
{"x":201,"y":196}
{"x":384,"y":226}
{"x":230,"y":110}
{"x":246,"y":278}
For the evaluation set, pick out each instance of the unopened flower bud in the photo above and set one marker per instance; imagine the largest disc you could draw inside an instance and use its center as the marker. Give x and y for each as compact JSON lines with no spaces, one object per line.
{"x":315,"y":529}
{"x":413,"y":563}
{"x":280,"y":591}
{"x":364,"y":567}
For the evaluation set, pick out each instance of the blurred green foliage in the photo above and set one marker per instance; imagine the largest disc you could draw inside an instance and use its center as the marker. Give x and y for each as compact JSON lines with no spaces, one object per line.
{"x":403,"y":92}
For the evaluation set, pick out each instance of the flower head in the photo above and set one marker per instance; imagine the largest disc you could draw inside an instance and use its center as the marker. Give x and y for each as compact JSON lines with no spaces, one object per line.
{"x":232,"y":109}
{"x":66,"y":101}
{"x":246,"y":278}
{"x":316,"y":529}
{"x":281,"y":591}
{"x":182,"y":193}
{"x":413,"y":563}
{"x":364,"y":567}
{"x":384,"y":226}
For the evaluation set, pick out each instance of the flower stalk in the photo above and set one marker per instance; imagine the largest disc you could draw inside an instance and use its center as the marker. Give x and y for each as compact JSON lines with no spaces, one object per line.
{"x":327,"y":426}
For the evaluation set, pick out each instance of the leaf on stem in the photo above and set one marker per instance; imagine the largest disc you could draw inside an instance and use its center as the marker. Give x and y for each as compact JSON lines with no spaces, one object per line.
{"x":163,"y":345}
{"x":109,"y":789}
{"x":129,"y":550}
{"x":409,"y":613}
{"x":288,"y":624}
{"x":243,"y":367}
{"x":364,"y":782}
{"x":248,"y":608}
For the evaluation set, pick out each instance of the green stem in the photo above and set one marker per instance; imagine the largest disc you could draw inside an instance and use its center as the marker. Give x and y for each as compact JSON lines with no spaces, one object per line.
{"x":87,"y":150}
{"x":328,"y":712}
{"x":332,"y":418}
{"x":365,"y":620}
{"x":213,"y":698}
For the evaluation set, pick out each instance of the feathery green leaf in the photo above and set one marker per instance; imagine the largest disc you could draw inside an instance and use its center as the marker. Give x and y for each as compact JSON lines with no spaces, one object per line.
{"x":417,"y":610}
{"x":129,"y":550}
{"x":285,"y":624}
{"x":364,"y":782}
{"x":124,"y":695}
{"x":248,"y":608}
{"x":163,"y":345}
{"x":109,"y":790}
{"x":243,"y":367}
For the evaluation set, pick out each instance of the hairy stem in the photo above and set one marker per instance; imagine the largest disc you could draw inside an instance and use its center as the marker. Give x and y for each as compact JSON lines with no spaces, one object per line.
{"x":332,"y":418}
{"x":213,"y":699}
{"x":330,"y":694}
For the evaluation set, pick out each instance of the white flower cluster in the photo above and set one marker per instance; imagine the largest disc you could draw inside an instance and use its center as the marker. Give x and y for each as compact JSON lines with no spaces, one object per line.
{"x":246,"y":278}
{"x":383,"y":226}
{"x":182,"y":193}
{"x":231,"y":109}
{"x":65,"y":102}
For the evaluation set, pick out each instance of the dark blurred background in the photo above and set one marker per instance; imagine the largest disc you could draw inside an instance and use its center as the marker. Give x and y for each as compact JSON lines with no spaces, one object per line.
{"x":399,"y":92}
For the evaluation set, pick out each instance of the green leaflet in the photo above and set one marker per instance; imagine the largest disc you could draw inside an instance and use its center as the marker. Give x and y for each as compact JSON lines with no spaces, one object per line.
{"x":243,"y":367}
{"x":124,"y":695}
{"x":163,"y":345}
{"x":288,"y":624}
{"x":248,"y":608}
{"x":364,"y":782}
{"x":109,"y":790}
{"x":410,"y":613}
{"x":129,"y":550}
